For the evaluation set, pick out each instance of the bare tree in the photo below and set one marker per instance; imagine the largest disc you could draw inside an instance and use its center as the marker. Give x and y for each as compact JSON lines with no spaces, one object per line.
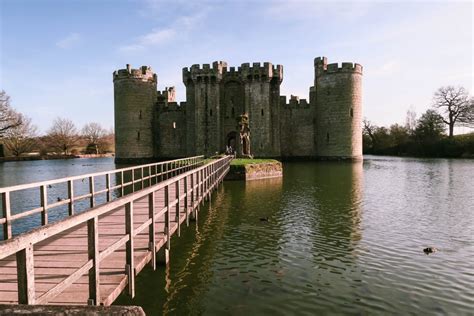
{"x":9,"y":118}
{"x":95,"y":135}
{"x":63,"y":135}
{"x":456,"y":106}
{"x":21,"y":139}
{"x":410,"y":121}
{"x":369,"y":130}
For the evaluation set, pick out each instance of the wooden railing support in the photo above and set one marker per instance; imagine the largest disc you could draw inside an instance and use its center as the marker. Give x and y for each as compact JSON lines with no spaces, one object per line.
{"x":70,"y":194}
{"x":151,"y":229}
{"x":26,"y":275}
{"x":44,"y":205}
{"x":178,"y":208}
{"x":93,"y":254}
{"x":7,"y":225}
{"x":91,"y":191}
{"x":129,"y":249}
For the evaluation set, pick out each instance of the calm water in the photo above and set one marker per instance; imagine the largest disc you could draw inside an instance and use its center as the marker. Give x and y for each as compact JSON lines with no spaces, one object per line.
{"x":341,"y":238}
{"x":20,"y":172}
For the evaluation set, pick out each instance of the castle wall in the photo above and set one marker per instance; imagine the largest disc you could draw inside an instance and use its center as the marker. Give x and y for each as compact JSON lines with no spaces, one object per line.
{"x":204,"y":96}
{"x":297,"y":129}
{"x":134,"y":96}
{"x":170,"y":131}
{"x":232,"y":97}
{"x":338,"y":110}
{"x":262,"y":107}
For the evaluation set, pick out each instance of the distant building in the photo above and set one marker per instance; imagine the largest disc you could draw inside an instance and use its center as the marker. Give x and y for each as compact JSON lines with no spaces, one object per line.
{"x":151,"y":125}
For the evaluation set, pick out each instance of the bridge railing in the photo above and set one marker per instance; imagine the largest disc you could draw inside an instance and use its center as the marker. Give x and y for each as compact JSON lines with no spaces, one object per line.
{"x":198,"y":183}
{"x":94,"y":188}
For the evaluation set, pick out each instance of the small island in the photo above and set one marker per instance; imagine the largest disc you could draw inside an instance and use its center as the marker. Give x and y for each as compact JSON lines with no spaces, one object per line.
{"x":253,"y":169}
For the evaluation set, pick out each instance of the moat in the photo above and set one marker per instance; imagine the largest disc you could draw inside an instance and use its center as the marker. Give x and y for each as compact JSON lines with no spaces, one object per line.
{"x":340,"y":238}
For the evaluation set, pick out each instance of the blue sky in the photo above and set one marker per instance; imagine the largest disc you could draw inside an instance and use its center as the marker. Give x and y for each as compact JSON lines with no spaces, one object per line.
{"x":57,"y":56}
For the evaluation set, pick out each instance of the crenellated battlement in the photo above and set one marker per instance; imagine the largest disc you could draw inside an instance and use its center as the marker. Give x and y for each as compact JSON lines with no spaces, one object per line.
{"x":294,"y":102}
{"x":219,"y":70}
{"x":257,"y":71}
{"x":322,"y":67}
{"x":171,"y":107}
{"x":144,"y":73}
{"x":205,"y":73}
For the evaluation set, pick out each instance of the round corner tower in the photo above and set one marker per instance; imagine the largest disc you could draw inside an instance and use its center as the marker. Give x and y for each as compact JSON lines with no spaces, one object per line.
{"x":134,"y":97}
{"x":338,"y":110}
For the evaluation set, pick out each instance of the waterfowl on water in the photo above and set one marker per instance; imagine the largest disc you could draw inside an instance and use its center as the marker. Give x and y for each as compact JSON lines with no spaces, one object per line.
{"x":430,"y":250}
{"x":264,"y":219}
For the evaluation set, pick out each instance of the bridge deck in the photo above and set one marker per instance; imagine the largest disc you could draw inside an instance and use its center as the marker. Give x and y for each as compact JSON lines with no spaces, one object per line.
{"x":57,"y":258}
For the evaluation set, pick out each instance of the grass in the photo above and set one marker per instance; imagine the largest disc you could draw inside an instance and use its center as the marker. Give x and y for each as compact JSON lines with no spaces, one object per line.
{"x":245,"y":161}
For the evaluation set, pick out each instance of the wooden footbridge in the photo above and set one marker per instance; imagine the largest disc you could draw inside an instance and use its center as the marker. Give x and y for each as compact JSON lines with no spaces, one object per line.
{"x":90,"y":257}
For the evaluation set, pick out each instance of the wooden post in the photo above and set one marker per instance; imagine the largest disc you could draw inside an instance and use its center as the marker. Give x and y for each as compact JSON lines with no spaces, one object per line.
{"x":151,"y":229}
{"x":107,"y":184}
{"x":133,"y":180}
{"x":178,"y":209}
{"x":91,"y":190}
{"x":211,"y":184}
{"x":163,"y":252}
{"x":167,"y":217}
{"x":121,"y":184}
{"x":149,"y":176}
{"x":186,"y":200}
{"x":130,"y":264}
{"x":44,"y":205}
{"x":193,"y":194}
{"x":143,"y":180}
{"x":93,"y":254}
{"x":7,"y":226}
{"x":26,"y":275}
{"x":70,"y":193}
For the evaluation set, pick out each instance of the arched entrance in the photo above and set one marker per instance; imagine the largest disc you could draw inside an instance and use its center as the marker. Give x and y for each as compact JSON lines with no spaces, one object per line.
{"x":232,"y":141}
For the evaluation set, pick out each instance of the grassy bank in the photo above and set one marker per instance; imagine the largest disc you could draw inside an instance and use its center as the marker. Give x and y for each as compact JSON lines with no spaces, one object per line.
{"x":245,"y":161}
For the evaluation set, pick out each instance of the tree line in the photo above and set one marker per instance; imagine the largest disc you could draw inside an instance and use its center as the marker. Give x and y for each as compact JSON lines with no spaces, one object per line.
{"x":426,"y":136}
{"x":20,"y":136}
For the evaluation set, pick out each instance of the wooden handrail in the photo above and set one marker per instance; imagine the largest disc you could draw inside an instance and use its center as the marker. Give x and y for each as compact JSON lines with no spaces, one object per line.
{"x":203,"y":180}
{"x":5,"y":193}
{"x":80,"y":177}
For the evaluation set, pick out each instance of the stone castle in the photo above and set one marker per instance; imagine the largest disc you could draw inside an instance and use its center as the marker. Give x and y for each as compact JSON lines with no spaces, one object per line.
{"x":151,"y":125}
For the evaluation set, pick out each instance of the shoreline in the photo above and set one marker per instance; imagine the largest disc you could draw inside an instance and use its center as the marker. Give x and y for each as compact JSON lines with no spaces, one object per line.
{"x":54,"y":157}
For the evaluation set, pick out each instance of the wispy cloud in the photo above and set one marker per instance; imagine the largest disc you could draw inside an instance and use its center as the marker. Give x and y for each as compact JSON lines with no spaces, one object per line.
{"x":159,"y":36}
{"x":69,"y":41}
{"x":155,"y":37}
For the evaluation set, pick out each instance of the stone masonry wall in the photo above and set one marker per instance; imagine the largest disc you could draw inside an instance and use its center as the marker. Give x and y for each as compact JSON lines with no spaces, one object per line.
{"x":297,"y":129}
{"x":171,"y":131}
{"x":338,"y":110}
{"x":134,"y":95}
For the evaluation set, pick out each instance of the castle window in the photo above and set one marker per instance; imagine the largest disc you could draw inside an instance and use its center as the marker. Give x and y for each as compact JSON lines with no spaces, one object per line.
{"x":138,"y":135}
{"x":327,"y":137}
{"x":174,"y":124}
{"x":352,"y":112}
{"x":210,"y":112}
{"x":140,"y":115}
{"x":233,"y":112}
{"x":262,"y":112}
